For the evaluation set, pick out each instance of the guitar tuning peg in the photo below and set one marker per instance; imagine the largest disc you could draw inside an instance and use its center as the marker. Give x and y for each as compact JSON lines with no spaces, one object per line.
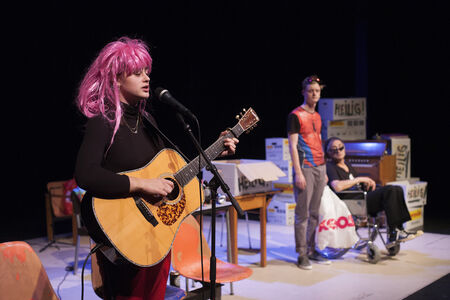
{"x":244,"y":110}
{"x":237,"y":117}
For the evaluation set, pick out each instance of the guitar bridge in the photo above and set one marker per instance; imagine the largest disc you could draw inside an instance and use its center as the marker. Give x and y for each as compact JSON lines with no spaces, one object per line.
{"x":145,"y":211}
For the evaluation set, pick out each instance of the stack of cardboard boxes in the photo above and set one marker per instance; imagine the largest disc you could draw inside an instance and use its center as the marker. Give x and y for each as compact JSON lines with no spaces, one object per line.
{"x":281,"y":209}
{"x":415,"y":190}
{"x":344,"y":118}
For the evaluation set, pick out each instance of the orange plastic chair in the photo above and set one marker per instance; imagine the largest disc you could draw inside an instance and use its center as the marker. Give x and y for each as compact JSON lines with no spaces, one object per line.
{"x":186,"y":257}
{"x":22,"y":275}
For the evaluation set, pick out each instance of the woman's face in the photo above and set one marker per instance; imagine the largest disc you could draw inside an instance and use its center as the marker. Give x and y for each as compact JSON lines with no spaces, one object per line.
{"x":311,"y":93}
{"x":337,"y":150}
{"x":134,"y":87}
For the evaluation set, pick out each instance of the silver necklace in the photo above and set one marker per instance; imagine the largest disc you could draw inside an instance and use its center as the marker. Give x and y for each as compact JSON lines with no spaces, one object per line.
{"x":133,"y":129}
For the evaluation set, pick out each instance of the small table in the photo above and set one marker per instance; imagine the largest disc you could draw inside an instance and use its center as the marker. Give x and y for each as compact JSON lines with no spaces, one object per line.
{"x":248,"y":202}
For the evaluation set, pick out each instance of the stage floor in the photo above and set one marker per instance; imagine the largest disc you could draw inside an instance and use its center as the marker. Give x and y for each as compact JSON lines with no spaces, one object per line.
{"x":419,"y":263}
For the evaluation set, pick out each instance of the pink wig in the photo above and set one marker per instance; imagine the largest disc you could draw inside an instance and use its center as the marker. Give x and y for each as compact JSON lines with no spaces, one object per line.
{"x":99,"y":93}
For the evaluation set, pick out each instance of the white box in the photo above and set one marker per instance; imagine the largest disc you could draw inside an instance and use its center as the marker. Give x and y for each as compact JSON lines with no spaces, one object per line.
{"x":246,"y":176}
{"x":416,"y":223}
{"x":277,"y":149}
{"x":286,"y":167}
{"x":353,"y":129}
{"x":286,"y":188}
{"x":400,"y":146}
{"x":414,"y":190}
{"x":342,"y":108}
{"x":281,"y":210}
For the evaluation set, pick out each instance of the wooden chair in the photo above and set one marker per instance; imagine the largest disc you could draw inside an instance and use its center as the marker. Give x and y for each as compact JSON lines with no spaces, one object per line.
{"x":54,"y":209}
{"x":80,"y":229}
{"x":186,"y":258}
{"x":22,"y":274}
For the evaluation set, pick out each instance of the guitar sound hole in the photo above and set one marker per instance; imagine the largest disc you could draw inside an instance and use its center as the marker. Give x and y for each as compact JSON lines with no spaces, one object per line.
{"x":176,"y":190}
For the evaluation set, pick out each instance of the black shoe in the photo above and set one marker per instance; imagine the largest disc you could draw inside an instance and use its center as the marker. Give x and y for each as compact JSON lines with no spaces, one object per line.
{"x":315,"y":256}
{"x":303,"y":263}
{"x":400,"y":236}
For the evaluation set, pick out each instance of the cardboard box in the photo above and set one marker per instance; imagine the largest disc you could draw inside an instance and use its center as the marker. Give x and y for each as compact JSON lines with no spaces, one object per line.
{"x":277,"y":149}
{"x":286,"y":167}
{"x":415,"y":191}
{"x":246,"y":176}
{"x":400,"y":146}
{"x":281,"y":210}
{"x":286,"y":188}
{"x":342,"y":108}
{"x":352,"y":129}
{"x":416,"y":223}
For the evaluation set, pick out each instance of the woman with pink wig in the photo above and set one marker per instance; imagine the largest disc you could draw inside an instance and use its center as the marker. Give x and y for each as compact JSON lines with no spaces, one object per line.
{"x":120,"y":136}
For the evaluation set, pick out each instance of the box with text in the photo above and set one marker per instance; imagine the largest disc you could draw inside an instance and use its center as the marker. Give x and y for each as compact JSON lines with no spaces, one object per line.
{"x":400,"y":146}
{"x":342,"y":108}
{"x":277,"y":149}
{"x":417,"y":220}
{"x":353,"y":129}
{"x":246,"y":176}
{"x":281,"y":210}
{"x":286,"y":167}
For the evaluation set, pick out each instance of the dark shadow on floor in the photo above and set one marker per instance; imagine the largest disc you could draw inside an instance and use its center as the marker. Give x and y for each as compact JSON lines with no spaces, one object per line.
{"x":440,"y":289}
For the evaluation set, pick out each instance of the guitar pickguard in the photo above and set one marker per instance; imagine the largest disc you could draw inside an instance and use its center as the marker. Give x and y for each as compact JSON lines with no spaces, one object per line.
{"x":169,"y":213}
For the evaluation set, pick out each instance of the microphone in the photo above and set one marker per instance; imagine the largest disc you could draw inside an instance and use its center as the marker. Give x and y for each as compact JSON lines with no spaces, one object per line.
{"x":165,"y":97}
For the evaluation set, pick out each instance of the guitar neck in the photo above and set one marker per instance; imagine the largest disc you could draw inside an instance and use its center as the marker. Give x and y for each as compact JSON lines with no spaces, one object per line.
{"x":188,"y":172}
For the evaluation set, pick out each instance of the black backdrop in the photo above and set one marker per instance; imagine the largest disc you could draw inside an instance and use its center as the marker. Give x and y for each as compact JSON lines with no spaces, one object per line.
{"x":217,"y":58}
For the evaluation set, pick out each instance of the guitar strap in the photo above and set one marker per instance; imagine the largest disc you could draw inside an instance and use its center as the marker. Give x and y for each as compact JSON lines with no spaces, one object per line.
{"x":162,"y":135}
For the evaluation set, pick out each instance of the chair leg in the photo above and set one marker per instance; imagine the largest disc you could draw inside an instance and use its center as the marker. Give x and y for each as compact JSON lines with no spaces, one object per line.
{"x":248,"y":231}
{"x":49,"y":219}
{"x":74,"y":229}
{"x":75,"y":263}
{"x":221,"y":231}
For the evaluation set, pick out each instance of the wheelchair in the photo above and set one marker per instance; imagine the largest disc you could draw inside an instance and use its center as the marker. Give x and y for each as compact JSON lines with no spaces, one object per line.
{"x":357,"y":206}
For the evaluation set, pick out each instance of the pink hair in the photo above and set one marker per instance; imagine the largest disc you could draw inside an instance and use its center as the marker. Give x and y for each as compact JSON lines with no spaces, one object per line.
{"x":99,"y":93}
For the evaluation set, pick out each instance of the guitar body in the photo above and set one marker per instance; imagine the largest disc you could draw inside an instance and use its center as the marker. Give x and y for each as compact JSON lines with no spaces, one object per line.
{"x":125,"y":226}
{"x":141,"y":232}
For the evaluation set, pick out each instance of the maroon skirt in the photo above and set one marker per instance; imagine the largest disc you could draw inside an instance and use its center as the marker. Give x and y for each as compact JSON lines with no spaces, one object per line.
{"x":129,"y":282}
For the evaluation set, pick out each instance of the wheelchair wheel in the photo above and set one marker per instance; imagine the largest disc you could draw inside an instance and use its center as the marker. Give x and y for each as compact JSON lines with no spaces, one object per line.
{"x":373,"y":253}
{"x":332,"y":253}
{"x":392,"y":251}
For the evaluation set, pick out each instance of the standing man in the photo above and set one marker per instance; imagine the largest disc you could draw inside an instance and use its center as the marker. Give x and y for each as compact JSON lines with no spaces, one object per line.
{"x":308,"y":160}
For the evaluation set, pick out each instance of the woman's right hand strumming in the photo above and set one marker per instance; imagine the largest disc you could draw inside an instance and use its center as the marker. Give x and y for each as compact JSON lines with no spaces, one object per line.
{"x":152,"y":190}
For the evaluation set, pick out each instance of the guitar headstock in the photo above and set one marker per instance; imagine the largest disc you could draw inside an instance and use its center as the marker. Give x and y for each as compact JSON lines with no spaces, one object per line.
{"x":248,"y":119}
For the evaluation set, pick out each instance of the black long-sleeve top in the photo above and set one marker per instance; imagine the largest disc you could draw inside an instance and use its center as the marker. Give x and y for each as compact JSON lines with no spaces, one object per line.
{"x":98,"y":162}
{"x":334,"y":172}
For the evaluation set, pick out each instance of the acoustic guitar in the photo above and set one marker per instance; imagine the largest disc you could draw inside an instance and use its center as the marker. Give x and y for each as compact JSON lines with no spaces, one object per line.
{"x":143,"y":232}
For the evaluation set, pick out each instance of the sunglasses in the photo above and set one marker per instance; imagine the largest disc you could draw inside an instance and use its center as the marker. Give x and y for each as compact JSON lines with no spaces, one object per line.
{"x":313,"y":78}
{"x":337,"y":150}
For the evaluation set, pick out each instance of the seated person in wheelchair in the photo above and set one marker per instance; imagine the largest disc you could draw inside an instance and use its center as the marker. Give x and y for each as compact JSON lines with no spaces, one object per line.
{"x":342,"y":176}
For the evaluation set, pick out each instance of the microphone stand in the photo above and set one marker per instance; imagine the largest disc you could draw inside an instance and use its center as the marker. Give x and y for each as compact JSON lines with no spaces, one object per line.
{"x":216,"y":182}
{"x":213,"y":185}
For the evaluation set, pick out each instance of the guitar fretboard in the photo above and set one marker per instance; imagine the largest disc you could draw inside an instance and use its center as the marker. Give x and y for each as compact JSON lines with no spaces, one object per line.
{"x":188,"y":172}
